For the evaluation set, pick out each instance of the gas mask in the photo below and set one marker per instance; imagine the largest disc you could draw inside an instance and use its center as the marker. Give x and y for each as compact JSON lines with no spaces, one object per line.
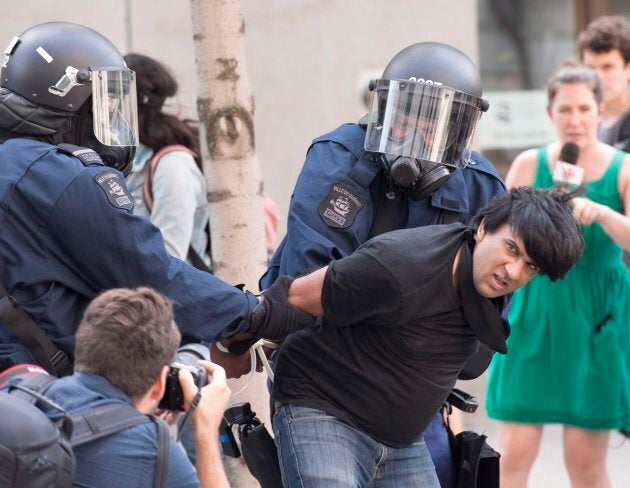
{"x":419,"y":179}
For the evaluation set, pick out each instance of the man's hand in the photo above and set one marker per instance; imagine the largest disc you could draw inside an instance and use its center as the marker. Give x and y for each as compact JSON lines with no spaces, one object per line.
{"x":214,"y":397}
{"x":169,"y":416}
{"x":587,"y":211}
{"x":240,"y":343}
{"x":235,"y":365}
{"x":206,"y":421}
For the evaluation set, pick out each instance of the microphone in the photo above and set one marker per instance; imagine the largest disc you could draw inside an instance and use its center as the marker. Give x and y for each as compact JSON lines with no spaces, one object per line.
{"x":566,"y":174}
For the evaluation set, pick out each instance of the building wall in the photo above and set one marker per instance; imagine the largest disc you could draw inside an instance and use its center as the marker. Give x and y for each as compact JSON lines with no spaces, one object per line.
{"x":306,"y":58}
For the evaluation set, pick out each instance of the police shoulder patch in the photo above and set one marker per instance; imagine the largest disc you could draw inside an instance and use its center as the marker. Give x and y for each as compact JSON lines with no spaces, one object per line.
{"x":340,"y":206}
{"x":115,"y":188}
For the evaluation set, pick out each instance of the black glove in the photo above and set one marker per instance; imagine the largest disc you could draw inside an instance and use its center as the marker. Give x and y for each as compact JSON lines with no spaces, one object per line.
{"x":274,"y":317}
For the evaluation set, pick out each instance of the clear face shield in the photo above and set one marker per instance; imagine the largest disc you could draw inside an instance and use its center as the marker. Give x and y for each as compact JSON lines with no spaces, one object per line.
{"x":422,"y":121}
{"x":114,"y":107}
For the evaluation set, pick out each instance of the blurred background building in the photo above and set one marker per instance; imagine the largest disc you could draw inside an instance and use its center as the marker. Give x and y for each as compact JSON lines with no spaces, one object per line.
{"x":521,"y":43}
{"x":309,"y":62}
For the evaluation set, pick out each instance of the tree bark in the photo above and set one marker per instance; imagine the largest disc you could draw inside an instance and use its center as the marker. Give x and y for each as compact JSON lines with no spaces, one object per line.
{"x":225,"y":108}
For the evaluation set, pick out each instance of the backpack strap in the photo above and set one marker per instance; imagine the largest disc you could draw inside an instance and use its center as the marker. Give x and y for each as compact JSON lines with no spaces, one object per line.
{"x":22,"y":326}
{"x":147,"y":194}
{"x":98,"y":422}
{"x":39,"y":383}
{"x":161,"y":466}
{"x":196,"y":261}
{"x":147,"y":189}
{"x":105,"y":420}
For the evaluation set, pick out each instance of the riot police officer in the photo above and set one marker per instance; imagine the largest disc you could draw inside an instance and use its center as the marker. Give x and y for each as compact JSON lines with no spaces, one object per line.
{"x":408,"y":163}
{"x":68,"y":129}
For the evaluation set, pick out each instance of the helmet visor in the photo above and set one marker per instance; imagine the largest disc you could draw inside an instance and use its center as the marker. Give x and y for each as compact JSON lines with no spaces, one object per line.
{"x":422,"y":121}
{"x":115,"y":107}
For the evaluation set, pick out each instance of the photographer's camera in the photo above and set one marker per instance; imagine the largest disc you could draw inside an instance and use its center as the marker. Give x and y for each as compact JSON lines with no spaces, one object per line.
{"x":186,"y":357}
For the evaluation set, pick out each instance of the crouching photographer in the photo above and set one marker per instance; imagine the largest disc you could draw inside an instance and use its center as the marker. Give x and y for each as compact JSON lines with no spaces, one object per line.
{"x":127,"y":353}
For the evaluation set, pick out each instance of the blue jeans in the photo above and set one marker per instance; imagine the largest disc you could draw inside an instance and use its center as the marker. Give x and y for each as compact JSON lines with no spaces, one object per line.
{"x":317,"y":449}
{"x":436,"y":438}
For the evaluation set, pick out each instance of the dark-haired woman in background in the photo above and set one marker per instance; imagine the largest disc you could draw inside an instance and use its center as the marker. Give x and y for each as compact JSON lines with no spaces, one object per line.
{"x":177,"y":202}
{"x":569,"y":352}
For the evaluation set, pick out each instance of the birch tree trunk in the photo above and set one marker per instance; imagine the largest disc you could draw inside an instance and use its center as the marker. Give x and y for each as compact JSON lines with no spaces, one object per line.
{"x":226,"y":109}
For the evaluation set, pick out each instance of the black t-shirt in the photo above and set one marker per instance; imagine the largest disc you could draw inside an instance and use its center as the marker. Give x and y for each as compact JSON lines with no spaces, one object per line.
{"x":393,"y":339}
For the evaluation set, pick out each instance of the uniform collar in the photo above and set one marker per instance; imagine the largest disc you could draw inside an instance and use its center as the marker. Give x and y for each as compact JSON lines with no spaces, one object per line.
{"x":366,"y":168}
{"x":453,"y":195}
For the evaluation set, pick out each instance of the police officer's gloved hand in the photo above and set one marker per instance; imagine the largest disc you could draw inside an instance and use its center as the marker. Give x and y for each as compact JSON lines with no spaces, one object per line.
{"x":274,"y":317}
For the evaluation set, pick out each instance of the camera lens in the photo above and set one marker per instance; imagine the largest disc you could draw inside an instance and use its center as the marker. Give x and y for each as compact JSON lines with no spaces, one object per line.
{"x":189,"y":354}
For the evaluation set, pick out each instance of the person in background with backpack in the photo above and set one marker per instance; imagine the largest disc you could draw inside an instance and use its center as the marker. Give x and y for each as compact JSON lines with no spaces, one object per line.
{"x":125,"y":344}
{"x":166,"y":179}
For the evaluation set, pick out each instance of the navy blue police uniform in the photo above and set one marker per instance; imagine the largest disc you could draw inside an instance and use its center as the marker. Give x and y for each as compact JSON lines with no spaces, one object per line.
{"x":334,"y":207}
{"x":335,"y":201}
{"x":67,"y":233}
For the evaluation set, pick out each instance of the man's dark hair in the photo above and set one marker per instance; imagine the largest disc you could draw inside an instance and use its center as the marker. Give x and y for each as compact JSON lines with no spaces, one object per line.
{"x":543,"y":219}
{"x":605,"y":34}
{"x":126,"y":336}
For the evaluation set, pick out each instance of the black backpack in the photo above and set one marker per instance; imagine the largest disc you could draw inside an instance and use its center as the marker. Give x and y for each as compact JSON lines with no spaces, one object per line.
{"x":37,"y":452}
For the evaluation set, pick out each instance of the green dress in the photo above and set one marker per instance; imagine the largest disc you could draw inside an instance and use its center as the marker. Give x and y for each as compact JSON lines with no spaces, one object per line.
{"x":569,"y":350}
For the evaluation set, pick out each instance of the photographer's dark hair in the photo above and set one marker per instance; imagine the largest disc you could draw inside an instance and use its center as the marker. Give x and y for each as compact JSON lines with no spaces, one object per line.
{"x":156,"y":128}
{"x":543,"y":219}
{"x":127,"y":336}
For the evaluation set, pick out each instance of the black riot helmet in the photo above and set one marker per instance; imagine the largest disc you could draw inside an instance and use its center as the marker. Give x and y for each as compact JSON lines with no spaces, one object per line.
{"x":423,"y":115}
{"x":66,"y":72}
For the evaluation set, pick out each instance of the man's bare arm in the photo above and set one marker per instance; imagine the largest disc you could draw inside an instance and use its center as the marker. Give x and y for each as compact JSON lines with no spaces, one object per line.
{"x":305,"y":292}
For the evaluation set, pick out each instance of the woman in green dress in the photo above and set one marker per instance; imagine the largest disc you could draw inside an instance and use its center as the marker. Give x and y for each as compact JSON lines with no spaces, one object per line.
{"x":569,"y":351}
